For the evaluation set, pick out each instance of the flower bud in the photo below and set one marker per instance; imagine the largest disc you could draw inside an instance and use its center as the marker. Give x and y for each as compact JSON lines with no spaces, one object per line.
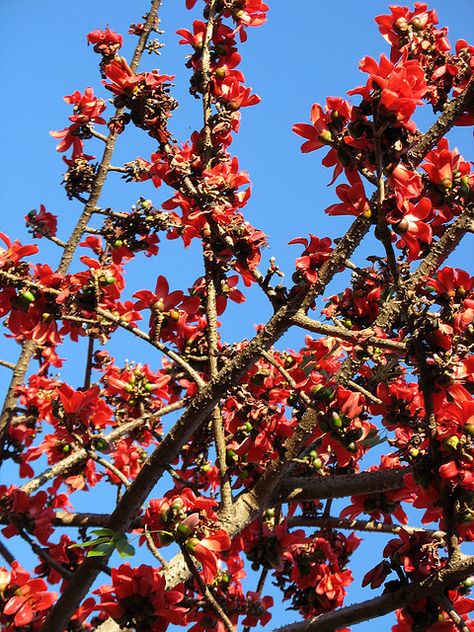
{"x":401,"y":227}
{"x":27,"y":296}
{"x":452,"y":442}
{"x":325,"y":136}
{"x":192,"y":543}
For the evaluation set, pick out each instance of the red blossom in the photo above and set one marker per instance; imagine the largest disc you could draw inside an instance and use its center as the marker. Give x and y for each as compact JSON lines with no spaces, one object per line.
{"x":23,"y":601}
{"x":105,"y":42}
{"x":400,"y":86}
{"x":30,"y":513}
{"x":138,"y":597}
{"x":411,"y":226}
{"x":318,"y":133}
{"x":316,"y":252}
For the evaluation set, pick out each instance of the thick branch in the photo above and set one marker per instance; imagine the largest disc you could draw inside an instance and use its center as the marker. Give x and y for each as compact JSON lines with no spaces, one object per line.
{"x":252,"y":503}
{"x":384,"y":604}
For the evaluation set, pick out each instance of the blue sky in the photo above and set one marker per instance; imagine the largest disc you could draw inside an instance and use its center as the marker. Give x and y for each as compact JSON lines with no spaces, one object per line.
{"x":307,"y":51}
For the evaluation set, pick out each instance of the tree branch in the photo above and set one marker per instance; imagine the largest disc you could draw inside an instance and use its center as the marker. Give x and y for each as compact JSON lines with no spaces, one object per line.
{"x":377,"y":607}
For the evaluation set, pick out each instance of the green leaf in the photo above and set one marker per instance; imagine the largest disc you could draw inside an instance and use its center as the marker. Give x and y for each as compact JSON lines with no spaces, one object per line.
{"x":124,"y":548}
{"x":103,"y":532}
{"x":95,"y":542}
{"x":373,"y":439}
{"x":101,"y":550}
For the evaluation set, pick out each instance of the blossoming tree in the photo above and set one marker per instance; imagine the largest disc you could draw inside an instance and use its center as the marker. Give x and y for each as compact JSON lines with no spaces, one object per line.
{"x":262,"y":439}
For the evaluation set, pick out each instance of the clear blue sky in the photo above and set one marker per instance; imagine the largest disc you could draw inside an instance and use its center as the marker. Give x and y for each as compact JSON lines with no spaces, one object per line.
{"x":307,"y":51}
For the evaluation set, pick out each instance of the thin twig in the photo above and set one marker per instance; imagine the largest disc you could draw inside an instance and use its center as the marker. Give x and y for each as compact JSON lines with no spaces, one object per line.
{"x":7,"y":365}
{"x":97,"y":134}
{"x":372,"y":526}
{"x":206,"y":591}
{"x":301,"y":394}
{"x":5,"y":553}
{"x":451,"y":611}
{"x":153,"y":548}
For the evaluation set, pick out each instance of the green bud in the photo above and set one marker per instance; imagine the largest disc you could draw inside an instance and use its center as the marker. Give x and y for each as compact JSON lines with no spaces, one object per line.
{"x":101,"y":445}
{"x":27,"y":296}
{"x":452,"y":442}
{"x":336,"y":421}
{"x":183,"y":530}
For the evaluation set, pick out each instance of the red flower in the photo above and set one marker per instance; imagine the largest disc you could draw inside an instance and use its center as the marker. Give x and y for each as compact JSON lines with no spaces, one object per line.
{"x":138,"y":598}
{"x":43,"y":220}
{"x":316,"y":252}
{"x":234,"y":94}
{"x":318,"y":133}
{"x":405,"y":183}
{"x":205,"y":549}
{"x":24,"y":599}
{"x":403,"y":26}
{"x":125,"y":81}
{"x":189,"y":520}
{"x":87,"y":109}
{"x":251,"y":13}
{"x":196,"y":38}
{"x":28,"y":513}
{"x":257,"y":609}
{"x":448,"y":171}
{"x":85,"y":406}
{"x":452,"y":283}
{"x":401,"y":86}
{"x":168,"y":308}
{"x":105,"y":42}
{"x":14,"y":252}
{"x":353,"y":199}
{"x":411,"y":227}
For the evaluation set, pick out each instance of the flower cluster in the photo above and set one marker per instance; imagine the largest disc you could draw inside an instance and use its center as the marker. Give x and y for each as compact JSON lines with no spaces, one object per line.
{"x":413,"y":557}
{"x":24,"y":600}
{"x":189,"y":520}
{"x":146,"y":95}
{"x":393,"y":366}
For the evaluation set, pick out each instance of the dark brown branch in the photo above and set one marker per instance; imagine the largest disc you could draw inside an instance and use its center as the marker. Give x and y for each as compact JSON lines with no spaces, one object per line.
{"x":339,"y":486}
{"x":5,"y":553}
{"x":89,"y":359}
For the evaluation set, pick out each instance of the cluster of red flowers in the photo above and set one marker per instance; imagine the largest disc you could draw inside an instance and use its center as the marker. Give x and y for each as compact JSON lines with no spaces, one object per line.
{"x":413,"y":557}
{"x":24,"y":601}
{"x":87,"y":110}
{"x":416,"y":208}
{"x":429,"y":422}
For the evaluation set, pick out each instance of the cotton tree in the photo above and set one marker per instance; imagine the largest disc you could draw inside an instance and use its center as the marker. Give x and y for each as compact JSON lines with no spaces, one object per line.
{"x":224,"y":458}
